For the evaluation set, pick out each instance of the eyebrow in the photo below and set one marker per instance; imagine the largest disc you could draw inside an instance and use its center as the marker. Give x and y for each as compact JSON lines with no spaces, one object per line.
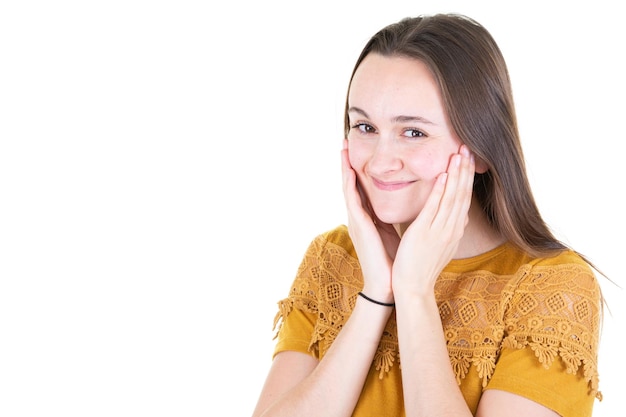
{"x":397,"y":119}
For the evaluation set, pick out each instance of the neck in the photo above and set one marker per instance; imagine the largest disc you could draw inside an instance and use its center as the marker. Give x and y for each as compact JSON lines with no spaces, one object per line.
{"x":479,"y":236}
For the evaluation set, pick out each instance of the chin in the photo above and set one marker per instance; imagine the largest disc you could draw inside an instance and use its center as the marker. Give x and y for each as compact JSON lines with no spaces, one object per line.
{"x":395,"y":211}
{"x":394,"y":218}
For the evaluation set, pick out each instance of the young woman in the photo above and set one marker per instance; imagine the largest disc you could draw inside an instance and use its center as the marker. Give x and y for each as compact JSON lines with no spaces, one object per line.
{"x":446,"y":294}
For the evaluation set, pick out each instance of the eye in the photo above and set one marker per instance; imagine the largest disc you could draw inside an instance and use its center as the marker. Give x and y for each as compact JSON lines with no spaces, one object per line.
{"x":414,"y":133}
{"x":364,"y":128}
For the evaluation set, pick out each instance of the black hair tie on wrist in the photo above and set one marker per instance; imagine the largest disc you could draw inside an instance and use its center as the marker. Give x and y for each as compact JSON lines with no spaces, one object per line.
{"x":371,"y":300}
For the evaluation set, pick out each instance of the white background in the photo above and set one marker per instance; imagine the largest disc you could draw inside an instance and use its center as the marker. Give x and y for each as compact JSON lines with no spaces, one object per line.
{"x":164,"y":165}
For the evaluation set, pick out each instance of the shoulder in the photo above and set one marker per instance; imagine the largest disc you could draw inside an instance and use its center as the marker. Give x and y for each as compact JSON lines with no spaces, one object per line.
{"x":337,"y":238}
{"x":567,"y":268}
{"x":330,"y":252}
{"x":565,"y":279}
{"x":565,"y":257}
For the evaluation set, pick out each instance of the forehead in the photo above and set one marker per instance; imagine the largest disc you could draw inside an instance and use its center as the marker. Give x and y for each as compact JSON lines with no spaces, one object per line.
{"x":391,"y":85}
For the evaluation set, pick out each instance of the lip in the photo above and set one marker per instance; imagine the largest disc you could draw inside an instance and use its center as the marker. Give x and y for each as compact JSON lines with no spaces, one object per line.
{"x":391,"y":185}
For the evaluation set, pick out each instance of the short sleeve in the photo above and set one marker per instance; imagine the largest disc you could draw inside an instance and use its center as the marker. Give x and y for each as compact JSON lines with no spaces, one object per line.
{"x":297,"y":314}
{"x":518,"y":371}
{"x":295,"y":333}
{"x":549,"y":352}
{"x":321,"y":297}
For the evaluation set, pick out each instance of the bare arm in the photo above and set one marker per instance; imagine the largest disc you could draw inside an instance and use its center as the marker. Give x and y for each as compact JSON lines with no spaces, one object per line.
{"x":299,"y":385}
{"x":495,"y":403}
{"x":429,"y":384}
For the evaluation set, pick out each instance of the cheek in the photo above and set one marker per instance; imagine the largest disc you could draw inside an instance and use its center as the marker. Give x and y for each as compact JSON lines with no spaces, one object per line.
{"x":429,"y":164}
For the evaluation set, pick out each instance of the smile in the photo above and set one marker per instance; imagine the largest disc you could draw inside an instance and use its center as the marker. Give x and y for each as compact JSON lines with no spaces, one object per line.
{"x":391,"y":186}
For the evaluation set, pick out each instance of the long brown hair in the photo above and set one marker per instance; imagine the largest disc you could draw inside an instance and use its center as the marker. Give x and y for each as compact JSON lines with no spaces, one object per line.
{"x":476,"y":91}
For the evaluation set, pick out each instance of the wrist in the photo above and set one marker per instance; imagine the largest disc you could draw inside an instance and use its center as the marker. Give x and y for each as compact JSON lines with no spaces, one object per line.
{"x":381,"y":294}
{"x":377,"y":302}
{"x":406,"y":298}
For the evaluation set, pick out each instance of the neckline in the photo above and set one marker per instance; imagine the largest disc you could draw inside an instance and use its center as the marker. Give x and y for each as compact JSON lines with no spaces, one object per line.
{"x":480,"y":258}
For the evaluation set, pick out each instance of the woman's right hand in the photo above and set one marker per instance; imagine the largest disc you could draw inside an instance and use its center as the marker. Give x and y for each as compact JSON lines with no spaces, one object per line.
{"x":375,"y":242}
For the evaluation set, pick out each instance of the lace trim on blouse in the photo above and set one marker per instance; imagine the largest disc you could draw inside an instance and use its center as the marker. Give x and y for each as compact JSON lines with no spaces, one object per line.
{"x":554,"y":310}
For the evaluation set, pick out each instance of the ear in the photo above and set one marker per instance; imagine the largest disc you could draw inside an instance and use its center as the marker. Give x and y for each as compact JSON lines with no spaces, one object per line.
{"x":480,"y":167}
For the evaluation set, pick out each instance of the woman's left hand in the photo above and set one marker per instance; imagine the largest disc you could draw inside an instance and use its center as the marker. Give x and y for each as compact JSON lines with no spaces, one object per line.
{"x":432,"y":239}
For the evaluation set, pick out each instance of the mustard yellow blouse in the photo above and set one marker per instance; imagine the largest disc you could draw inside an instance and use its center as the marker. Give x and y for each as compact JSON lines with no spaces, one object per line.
{"x":515,"y":323}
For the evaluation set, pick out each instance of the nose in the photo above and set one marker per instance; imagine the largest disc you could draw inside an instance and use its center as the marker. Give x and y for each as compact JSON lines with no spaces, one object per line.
{"x":386,"y":157}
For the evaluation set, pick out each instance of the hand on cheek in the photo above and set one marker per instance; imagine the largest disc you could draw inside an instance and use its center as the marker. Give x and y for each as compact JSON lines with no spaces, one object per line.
{"x":432,"y":239}
{"x":366,"y":236}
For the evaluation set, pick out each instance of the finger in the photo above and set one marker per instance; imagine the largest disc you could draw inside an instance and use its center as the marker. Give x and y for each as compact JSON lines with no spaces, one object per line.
{"x":351,"y":190}
{"x":450,"y":192}
{"x":463,"y":194}
{"x":347,"y":172}
{"x":467,"y":180}
{"x":345,"y":163}
{"x":431,"y":207}
{"x":456,"y":200}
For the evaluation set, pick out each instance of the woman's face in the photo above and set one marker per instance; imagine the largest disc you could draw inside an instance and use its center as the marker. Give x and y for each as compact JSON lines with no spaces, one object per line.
{"x":400,"y":138}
